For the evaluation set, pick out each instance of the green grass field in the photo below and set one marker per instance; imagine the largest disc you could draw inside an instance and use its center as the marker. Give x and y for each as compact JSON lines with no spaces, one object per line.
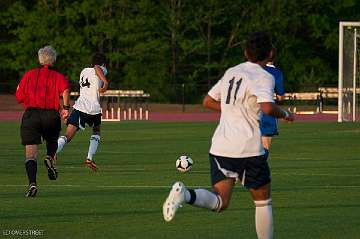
{"x":315,"y":171}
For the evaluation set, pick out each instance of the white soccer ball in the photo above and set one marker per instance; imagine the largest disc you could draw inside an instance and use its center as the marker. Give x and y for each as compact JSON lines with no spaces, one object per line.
{"x":184,"y":163}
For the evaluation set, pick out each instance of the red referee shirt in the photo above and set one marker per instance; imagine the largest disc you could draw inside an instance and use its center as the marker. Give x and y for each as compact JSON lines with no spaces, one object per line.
{"x":41,"y":88}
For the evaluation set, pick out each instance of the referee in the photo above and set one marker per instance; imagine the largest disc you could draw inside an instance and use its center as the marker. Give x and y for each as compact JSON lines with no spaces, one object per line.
{"x":40,"y":90}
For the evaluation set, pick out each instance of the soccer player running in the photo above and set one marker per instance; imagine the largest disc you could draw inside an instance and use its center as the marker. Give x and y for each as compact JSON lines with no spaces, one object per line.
{"x":236,"y":151}
{"x":87,"y":109}
{"x":40,"y":90}
{"x":268,"y":124}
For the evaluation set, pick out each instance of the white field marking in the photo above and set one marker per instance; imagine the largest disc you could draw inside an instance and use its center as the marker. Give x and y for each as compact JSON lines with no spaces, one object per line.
{"x":317,"y":174}
{"x":102,"y":186}
{"x":114,"y":168}
{"x":106,"y":167}
{"x":169,"y":186}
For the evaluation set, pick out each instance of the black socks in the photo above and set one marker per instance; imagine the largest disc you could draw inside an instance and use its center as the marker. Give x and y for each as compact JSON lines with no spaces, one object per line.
{"x":31,"y":169}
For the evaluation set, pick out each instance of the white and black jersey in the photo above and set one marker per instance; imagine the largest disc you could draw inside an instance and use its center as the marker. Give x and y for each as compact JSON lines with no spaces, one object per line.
{"x":89,"y":99}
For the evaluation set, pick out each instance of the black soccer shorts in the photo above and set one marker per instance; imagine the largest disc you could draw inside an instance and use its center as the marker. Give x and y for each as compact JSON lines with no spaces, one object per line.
{"x":80,"y":119}
{"x":253,"y":172}
{"x":39,"y":123}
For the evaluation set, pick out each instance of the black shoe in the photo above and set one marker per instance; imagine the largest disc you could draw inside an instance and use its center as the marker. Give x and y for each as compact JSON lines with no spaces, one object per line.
{"x":49,"y":163}
{"x":32,"y":191}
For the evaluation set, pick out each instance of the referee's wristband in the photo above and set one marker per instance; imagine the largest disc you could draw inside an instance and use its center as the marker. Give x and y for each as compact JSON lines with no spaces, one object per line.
{"x":66,"y":107}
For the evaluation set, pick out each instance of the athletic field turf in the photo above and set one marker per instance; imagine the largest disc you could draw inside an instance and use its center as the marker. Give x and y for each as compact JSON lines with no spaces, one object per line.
{"x":315,"y":171}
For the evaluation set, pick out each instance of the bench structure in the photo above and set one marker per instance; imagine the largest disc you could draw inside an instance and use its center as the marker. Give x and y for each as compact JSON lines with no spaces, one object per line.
{"x":119,"y":105}
{"x":319,"y":96}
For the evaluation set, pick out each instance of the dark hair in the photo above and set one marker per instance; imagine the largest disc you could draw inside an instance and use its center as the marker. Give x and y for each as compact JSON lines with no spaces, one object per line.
{"x":98,"y":58}
{"x":258,"y":46}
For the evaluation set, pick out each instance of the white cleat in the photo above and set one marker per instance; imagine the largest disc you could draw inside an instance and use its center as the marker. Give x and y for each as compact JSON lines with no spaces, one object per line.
{"x":173,"y":201}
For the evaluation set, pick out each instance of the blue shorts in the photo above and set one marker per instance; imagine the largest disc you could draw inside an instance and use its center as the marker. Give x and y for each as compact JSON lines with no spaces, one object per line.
{"x":268,"y":125}
{"x":253,"y":172}
{"x":80,"y":119}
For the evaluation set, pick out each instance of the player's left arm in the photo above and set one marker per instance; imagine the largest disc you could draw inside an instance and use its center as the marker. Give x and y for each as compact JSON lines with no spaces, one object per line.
{"x":100,"y":74}
{"x":64,"y":91}
{"x":66,"y":105}
{"x":213,"y":99}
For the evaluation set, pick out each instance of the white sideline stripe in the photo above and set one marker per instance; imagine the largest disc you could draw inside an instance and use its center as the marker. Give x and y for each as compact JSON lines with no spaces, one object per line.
{"x":318,"y":174}
{"x":169,"y":186}
{"x":106,"y":167}
{"x":204,"y":171}
{"x":102,"y":186}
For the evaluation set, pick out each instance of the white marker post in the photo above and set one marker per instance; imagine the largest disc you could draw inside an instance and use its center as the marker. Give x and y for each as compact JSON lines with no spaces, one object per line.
{"x":129,"y":116}
{"x":135,"y":114}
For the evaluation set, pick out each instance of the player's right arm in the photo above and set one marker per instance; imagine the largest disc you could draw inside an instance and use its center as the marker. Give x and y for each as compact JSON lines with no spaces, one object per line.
{"x":100,"y":74}
{"x":280,"y":97}
{"x":264,"y":91}
{"x":274,"y":110}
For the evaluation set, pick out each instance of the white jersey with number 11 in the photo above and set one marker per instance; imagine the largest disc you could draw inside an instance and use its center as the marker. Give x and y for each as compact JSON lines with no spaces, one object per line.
{"x":240,"y":91}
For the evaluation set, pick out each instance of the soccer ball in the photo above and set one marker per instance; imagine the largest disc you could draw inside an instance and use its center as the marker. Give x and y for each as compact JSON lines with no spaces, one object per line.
{"x":184,"y":163}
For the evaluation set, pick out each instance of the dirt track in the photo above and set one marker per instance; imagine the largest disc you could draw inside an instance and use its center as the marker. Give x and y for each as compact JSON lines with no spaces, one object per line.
{"x":10,"y":110}
{"x":178,"y":116}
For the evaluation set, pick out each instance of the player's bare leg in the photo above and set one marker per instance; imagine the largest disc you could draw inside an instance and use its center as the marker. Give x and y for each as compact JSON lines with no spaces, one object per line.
{"x":31,"y":154}
{"x":216,"y":201}
{"x":263,"y":212}
{"x":94,"y":142}
{"x":64,"y":139}
{"x":224,"y":190}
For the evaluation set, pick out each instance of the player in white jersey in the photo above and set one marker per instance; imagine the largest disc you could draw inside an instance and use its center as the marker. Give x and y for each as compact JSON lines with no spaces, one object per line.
{"x":87,"y":109}
{"x":236,"y":152}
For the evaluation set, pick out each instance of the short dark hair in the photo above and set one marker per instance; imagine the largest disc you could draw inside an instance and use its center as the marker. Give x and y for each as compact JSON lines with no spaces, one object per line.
{"x":98,"y":58}
{"x":258,"y":46}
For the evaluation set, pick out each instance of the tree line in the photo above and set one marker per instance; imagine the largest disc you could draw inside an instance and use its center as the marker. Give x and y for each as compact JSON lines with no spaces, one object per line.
{"x":163,"y":45}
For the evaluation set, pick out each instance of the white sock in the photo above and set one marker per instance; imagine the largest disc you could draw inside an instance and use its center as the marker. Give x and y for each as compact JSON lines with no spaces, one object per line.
{"x":264,"y":219}
{"x":94,"y":142}
{"x":62,"y":140}
{"x":203,"y":198}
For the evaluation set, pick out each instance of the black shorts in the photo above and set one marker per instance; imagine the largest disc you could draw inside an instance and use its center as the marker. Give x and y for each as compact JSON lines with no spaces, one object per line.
{"x":80,"y":119}
{"x":37,"y":123}
{"x":253,"y":172}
